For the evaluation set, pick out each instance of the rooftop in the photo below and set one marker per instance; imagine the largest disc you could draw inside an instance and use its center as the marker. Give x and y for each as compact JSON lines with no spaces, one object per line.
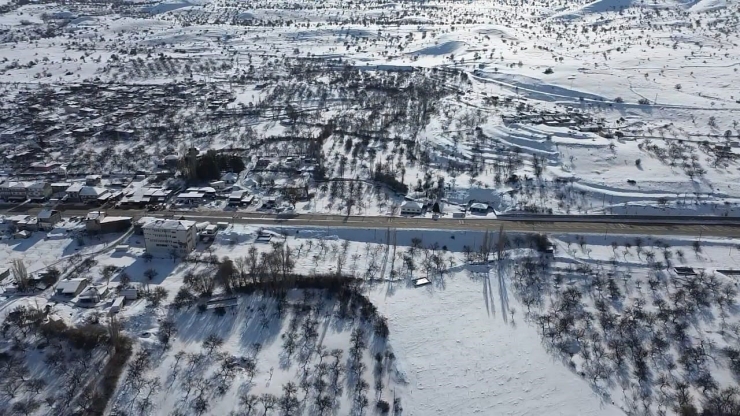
{"x":169,"y":225}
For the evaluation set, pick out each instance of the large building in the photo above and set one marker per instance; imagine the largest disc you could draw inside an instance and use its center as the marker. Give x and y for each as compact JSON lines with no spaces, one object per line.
{"x":168,"y":236}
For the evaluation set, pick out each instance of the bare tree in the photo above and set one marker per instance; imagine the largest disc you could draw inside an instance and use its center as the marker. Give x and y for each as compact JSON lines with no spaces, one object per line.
{"x":212,"y":342}
{"x":20,"y":273}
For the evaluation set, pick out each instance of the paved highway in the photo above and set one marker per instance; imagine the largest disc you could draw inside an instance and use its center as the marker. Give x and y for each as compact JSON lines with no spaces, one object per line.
{"x":470,"y":223}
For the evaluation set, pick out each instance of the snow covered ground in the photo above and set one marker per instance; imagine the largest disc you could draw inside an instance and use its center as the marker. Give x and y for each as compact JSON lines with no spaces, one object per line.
{"x":579,"y":107}
{"x":470,"y":342}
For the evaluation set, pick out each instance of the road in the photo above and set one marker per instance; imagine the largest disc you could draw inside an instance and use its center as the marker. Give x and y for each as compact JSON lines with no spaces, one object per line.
{"x":469,"y":223}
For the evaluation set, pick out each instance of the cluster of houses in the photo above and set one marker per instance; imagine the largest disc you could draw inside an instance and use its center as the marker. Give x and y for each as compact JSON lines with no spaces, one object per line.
{"x":414,"y":208}
{"x":96,"y":222}
{"x":88,"y":192}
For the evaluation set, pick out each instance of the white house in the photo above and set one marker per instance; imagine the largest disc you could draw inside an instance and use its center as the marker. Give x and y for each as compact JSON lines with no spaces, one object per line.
{"x":71,"y":287}
{"x":411,"y":208}
{"x":168,"y":236}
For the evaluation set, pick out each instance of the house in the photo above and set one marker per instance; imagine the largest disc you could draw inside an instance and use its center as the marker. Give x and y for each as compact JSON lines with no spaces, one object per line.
{"x":25,"y":223}
{"x":100,"y":222}
{"x":73,"y":191}
{"x":269,"y":202}
{"x":117,"y":305}
{"x":43,"y":166}
{"x":218,"y":185}
{"x":47,"y":218}
{"x":411,"y":208}
{"x":207,"y":191}
{"x":235,"y":198}
{"x":39,"y":191}
{"x":230,"y":178}
{"x":59,"y":187}
{"x":92,"y":194}
{"x":91,"y":296}
{"x":478,"y":208}
{"x":189,"y":198}
{"x":14,"y":191}
{"x":170,"y":236}
{"x":71,"y":287}
{"x":131,"y":292}
{"x":92,"y":180}
{"x":209,"y":232}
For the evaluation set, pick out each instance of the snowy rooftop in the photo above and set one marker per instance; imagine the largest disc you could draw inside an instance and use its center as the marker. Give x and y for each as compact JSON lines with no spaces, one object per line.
{"x":169,"y":225}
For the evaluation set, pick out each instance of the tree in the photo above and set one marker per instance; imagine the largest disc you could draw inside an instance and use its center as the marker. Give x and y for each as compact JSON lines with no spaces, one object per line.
{"x":167,"y":329}
{"x":183,"y":298}
{"x":36,"y":385}
{"x":151,"y":274}
{"x":212,"y":342}
{"x":20,"y":273}
{"x":383,"y":406}
{"x":26,"y":407}
{"x":125,"y":279}
{"x":51,"y":276}
{"x":108,"y":272}
{"x":226,"y":274}
{"x":268,"y":402}
{"x":157,"y":296}
{"x":249,"y":401}
{"x":147,"y":257}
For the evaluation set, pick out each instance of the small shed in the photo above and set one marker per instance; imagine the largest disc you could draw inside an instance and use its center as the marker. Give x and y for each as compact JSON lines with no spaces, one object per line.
{"x":131,"y":292}
{"x":117,"y":305}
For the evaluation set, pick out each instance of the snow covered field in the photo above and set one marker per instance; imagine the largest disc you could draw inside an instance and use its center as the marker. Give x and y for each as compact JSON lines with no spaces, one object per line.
{"x":477,"y":339}
{"x":642,"y":111}
{"x":577,"y":107}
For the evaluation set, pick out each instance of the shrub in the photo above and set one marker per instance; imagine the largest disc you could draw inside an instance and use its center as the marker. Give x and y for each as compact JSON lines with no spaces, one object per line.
{"x":619,"y":100}
{"x":643,"y":101}
{"x":548,"y":71}
{"x":383,"y":406}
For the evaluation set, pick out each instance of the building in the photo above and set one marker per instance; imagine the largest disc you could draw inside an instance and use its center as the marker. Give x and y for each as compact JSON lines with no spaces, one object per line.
{"x":47,"y":218}
{"x":59,"y":187}
{"x":230,"y":178}
{"x":132,"y":291}
{"x":23,"y":222}
{"x":71,"y":287}
{"x":99,"y":222}
{"x":91,"y":194}
{"x":91,"y":296}
{"x":189,"y":198}
{"x":14,"y":191}
{"x":92,"y":180}
{"x":39,"y":191}
{"x":73,"y":191}
{"x":170,"y":236}
{"x":218,"y":185}
{"x":411,"y":208}
{"x":479,"y":208}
